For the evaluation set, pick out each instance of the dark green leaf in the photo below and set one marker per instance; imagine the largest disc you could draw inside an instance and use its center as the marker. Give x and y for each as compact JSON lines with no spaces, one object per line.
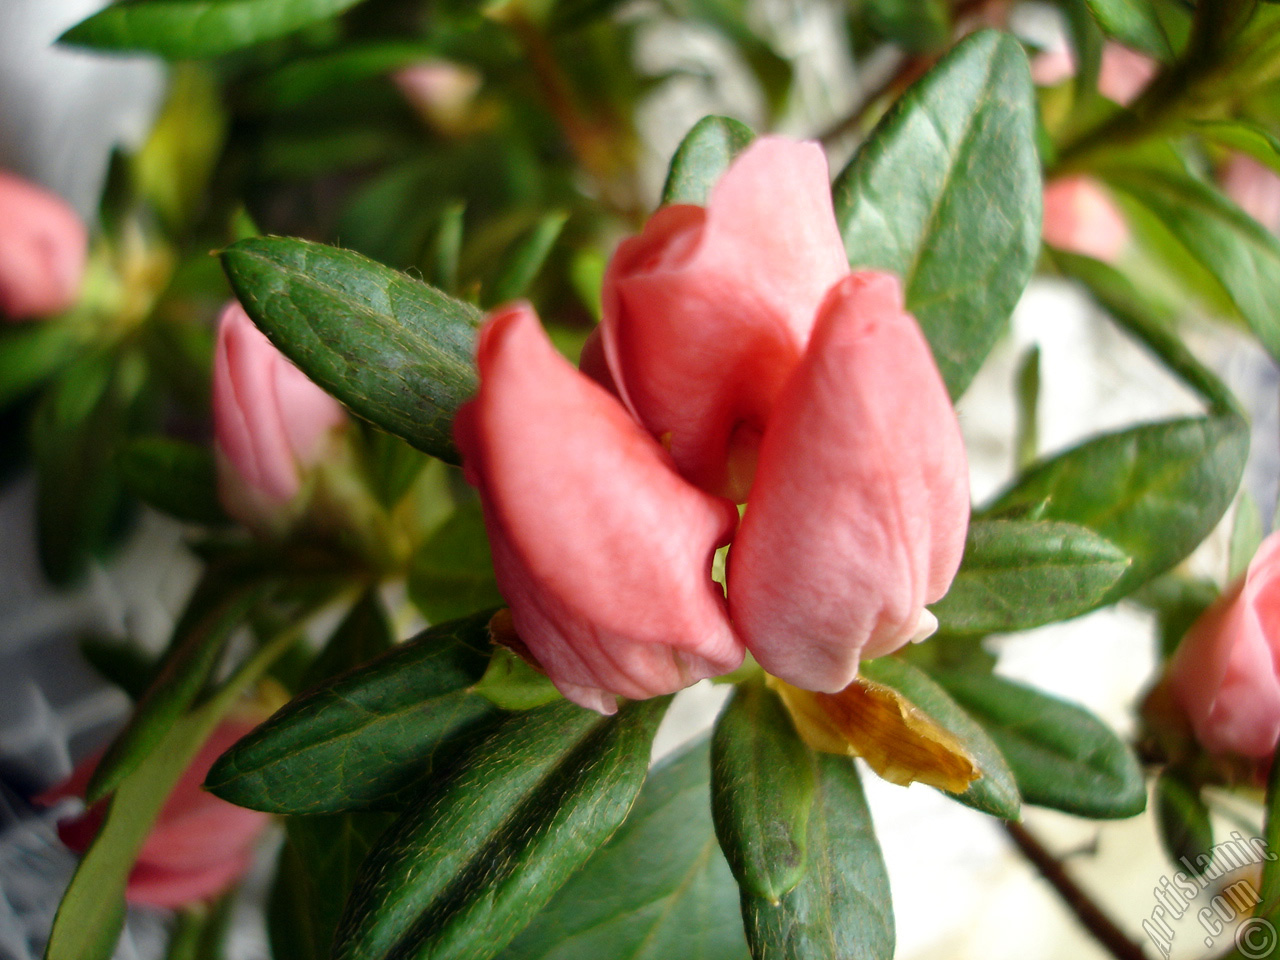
{"x":1020,"y":574}
{"x":658,"y":889}
{"x":396,"y":351}
{"x":369,"y":736}
{"x":702,"y":157}
{"x":1135,"y":23}
{"x":526,"y":259}
{"x":452,"y":574}
{"x":512,"y":683}
{"x":916,"y":25}
{"x":995,"y":792}
{"x":299,"y":80}
{"x":119,"y":662}
{"x":488,"y":845}
{"x":30,"y":353}
{"x":363,"y":634}
{"x":192,"y":29}
{"x":1230,"y":244}
{"x":761,"y":792}
{"x":317,"y":867}
{"x":175,"y":477}
{"x":1061,"y":755}
{"x":1270,"y":887}
{"x":1155,"y":491}
{"x":1027,"y":439}
{"x":946,"y":194}
{"x":842,"y":906}
{"x":214,"y":612}
{"x":1186,"y":832}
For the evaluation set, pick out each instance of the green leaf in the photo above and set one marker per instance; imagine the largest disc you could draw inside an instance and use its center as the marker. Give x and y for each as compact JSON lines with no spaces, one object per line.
{"x":658,"y":889}
{"x":995,"y":792}
{"x":300,"y":80}
{"x":174,"y":477}
{"x":363,"y":634}
{"x":1246,"y":536}
{"x":216,"y":609}
{"x":526,"y":259}
{"x":946,"y":194}
{"x":1135,"y":23}
{"x":317,"y":868}
{"x":702,"y":158}
{"x":1019,"y":574}
{"x":1182,"y":819}
{"x":1240,"y":253}
{"x":29,"y":354}
{"x":368,"y":737}
{"x":512,"y":683}
{"x":761,"y":792}
{"x":915,"y":25}
{"x":1177,"y":602}
{"x":842,"y":906}
{"x":486,"y":846}
{"x":1027,"y":437}
{"x":1243,"y":135}
{"x":452,"y":573}
{"x":1155,"y":491}
{"x":193,"y":29}
{"x":1061,"y":755}
{"x":119,"y":662}
{"x":1270,"y":887}
{"x":394,"y":350}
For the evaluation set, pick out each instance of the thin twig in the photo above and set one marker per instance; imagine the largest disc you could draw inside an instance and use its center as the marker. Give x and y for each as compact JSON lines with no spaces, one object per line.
{"x":1100,"y":926}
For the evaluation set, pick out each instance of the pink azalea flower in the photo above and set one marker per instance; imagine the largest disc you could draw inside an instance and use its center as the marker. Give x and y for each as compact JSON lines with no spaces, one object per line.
{"x":1255,"y":187}
{"x":1225,"y":674}
{"x":199,"y":846}
{"x":43,"y":245}
{"x":270,"y":422}
{"x":1080,"y":217}
{"x":735,"y":338}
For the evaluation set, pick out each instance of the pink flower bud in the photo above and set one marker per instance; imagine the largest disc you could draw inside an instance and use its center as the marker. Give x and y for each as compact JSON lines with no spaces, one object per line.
{"x":1080,"y":217}
{"x":708,"y":310}
{"x":1255,"y":187}
{"x":861,"y":502}
{"x":270,"y":422}
{"x":440,"y":90}
{"x":199,"y":845}
{"x":1124,"y":73}
{"x":1225,"y":674}
{"x":43,"y":245}
{"x":602,"y":551}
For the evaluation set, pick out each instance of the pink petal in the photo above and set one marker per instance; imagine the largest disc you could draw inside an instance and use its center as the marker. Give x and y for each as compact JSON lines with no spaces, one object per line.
{"x":43,"y":247}
{"x":155,"y":886}
{"x":1081,"y":217}
{"x":707,"y":311}
{"x":1255,"y":187}
{"x":602,"y":551}
{"x":859,"y":511}
{"x":1124,"y":73}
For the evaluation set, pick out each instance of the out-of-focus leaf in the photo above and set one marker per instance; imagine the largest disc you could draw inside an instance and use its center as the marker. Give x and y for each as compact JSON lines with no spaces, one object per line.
{"x":192,"y":29}
{"x":175,"y":477}
{"x":30,"y":353}
{"x":916,"y":25}
{"x":946,"y":193}
{"x":526,"y":259}
{"x":702,"y":157}
{"x":396,"y":351}
{"x":1246,"y":536}
{"x":488,"y":844}
{"x":452,"y":574}
{"x":1182,"y":819}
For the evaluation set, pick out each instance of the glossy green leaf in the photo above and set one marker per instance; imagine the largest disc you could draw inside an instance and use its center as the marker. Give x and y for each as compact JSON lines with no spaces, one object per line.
{"x":1155,"y":491}
{"x":1135,"y":23}
{"x":1019,"y":574}
{"x":174,"y":477}
{"x":1240,"y":253}
{"x":659,"y":888}
{"x":842,"y":906}
{"x":367,"y":738}
{"x":452,"y":573}
{"x":702,"y":157}
{"x":487,"y":845}
{"x":1182,"y":819}
{"x":526,"y":258}
{"x":316,"y":870}
{"x":995,"y":791}
{"x":1061,"y":755}
{"x":761,"y":792}
{"x":946,"y":194}
{"x":512,"y":683}
{"x":192,"y":29}
{"x":394,"y":350}
{"x":216,"y":609}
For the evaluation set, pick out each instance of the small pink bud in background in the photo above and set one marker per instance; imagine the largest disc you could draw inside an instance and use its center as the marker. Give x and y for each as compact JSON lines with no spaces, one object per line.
{"x":440,"y":91}
{"x":708,"y":310}
{"x":270,"y":422}
{"x":1255,"y":187}
{"x":1080,"y":217}
{"x":1225,"y":675}
{"x":199,"y":845}
{"x":1124,"y":73}
{"x":859,"y":512}
{"x":1053,"y":66}
{"x":602,"y":551}
{"x":43,"y":245}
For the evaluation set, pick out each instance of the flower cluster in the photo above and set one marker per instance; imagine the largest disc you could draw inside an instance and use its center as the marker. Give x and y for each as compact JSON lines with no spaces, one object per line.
{"x":738,"y":360}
